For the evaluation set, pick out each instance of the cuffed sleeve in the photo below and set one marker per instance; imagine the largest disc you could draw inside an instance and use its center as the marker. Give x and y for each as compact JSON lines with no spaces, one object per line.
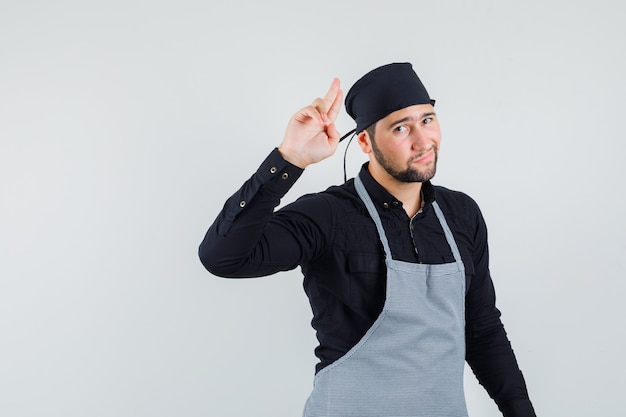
{"x":249,"y":239}
{"x":275,"y":176}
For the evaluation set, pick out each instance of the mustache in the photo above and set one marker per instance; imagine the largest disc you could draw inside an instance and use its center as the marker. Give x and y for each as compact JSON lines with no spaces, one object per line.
{"x":424,"y":152}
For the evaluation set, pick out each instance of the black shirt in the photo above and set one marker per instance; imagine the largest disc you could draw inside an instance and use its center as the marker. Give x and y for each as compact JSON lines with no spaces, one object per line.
{"x":333,"y":239}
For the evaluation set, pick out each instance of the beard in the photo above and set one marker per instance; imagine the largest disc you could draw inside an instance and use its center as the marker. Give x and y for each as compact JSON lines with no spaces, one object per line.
{"x":409,"y":174}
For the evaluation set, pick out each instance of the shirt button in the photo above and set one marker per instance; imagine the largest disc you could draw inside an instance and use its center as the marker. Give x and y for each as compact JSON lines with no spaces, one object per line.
{"x":386,"y":205}
{"x":285,"y":175}
{"x":242,"y":204}
{"x":273,"y":170}
{"x":396,"y":204}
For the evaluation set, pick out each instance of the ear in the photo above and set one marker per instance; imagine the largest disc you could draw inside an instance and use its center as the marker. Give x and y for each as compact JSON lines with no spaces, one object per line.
{"x":363,"y":138}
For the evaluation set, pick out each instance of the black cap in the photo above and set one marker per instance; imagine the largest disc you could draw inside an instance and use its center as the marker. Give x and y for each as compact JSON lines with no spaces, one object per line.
{"x":382,"y":91}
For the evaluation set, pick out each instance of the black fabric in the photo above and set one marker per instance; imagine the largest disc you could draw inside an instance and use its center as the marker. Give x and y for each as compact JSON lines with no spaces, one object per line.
{"x":332,"y":238}
{"x":382,"y":91}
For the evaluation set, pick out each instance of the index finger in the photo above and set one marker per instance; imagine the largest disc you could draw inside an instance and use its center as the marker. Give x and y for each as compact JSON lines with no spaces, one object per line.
{"x":333,"y":91}
{"x":333,"y":112}
{"x":331,"y":101}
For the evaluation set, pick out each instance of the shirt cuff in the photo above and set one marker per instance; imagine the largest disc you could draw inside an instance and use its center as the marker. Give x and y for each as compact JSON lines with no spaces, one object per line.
{"x":277,"y":175}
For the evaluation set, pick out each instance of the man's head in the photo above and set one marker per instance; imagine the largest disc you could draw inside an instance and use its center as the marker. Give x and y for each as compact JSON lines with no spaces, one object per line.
{"x":396,"y":123}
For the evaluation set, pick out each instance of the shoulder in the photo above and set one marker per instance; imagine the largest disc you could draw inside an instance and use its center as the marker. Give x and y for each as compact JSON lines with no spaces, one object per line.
{"x":333,"y":203}
{"x":459,"y":206}
{"x":343,"y":195}
{"x":454,"y":198}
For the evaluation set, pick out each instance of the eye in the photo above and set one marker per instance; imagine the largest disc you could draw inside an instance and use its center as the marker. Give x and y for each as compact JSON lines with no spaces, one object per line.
{"x":401,"y":129}
{"x":427,"y":120}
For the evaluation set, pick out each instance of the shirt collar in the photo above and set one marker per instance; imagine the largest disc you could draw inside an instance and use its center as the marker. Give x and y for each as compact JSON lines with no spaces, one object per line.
{"x":383,"y":198}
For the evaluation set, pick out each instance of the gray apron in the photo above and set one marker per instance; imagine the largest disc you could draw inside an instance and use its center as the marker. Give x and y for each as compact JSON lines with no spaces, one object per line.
{"x":410,"y":362}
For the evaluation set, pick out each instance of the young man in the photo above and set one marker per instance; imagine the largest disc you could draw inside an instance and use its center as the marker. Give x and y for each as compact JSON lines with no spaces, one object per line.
{"x":396,"y":269}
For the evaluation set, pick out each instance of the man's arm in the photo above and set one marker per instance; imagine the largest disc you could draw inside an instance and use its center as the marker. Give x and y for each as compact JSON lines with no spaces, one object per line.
{"x":248,"y":239}
{"x":245,"y":240}
{"x":489,"y":351}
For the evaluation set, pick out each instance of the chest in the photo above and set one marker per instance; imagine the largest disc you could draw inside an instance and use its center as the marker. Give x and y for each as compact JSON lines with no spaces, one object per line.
{"x":418,"y":240}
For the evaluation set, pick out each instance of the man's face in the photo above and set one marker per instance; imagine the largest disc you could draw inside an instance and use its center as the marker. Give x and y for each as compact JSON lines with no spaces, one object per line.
{"x":406,"y":143}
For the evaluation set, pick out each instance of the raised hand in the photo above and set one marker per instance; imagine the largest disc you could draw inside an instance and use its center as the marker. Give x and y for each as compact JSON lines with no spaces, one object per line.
{"x":311,"y":135}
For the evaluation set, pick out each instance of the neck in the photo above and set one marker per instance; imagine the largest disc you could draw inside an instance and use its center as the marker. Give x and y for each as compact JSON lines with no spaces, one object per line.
{"x":409,"y":193}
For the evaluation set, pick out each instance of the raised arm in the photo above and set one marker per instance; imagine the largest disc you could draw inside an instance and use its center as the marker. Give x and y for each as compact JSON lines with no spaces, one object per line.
{"x":248,"y":238}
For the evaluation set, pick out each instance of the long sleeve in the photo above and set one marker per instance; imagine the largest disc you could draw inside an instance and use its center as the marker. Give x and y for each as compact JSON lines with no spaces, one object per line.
{"x":489,"y":351}
{"x":248,"y":239}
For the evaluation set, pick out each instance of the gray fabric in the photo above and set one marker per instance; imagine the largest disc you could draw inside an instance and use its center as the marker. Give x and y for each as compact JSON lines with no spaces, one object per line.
{"x":410,"y":362}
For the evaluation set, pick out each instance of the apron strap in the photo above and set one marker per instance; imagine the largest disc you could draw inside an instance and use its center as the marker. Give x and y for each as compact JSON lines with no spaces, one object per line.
{"x":371,"y":208}
{"x":369,"y":204}
{"x":447,"y":232}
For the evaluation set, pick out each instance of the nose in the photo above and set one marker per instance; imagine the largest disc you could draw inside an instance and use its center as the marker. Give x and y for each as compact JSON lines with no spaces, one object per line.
{"x":421,"y":139}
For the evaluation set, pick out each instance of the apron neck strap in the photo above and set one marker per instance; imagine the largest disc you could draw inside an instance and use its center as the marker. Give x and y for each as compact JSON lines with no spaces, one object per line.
{"x":369,"y":204}
{"x":371,"y":208}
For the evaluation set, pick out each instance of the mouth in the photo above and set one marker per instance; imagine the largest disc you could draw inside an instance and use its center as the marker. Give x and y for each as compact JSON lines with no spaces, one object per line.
{"x":424,"y":157}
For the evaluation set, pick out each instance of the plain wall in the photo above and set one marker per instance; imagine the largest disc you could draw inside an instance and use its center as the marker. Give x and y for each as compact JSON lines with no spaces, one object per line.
{"x":125,"y":125}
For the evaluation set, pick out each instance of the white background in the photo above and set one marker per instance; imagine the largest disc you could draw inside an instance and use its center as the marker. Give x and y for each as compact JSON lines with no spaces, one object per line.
{"x":125,"y":125}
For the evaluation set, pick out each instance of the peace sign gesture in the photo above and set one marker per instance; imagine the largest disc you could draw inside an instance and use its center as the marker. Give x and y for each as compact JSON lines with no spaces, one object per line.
{"x":311,"y":135}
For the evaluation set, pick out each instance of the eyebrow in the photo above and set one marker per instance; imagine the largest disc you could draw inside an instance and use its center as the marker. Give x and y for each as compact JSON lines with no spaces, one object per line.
{"x":411,"y":118}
